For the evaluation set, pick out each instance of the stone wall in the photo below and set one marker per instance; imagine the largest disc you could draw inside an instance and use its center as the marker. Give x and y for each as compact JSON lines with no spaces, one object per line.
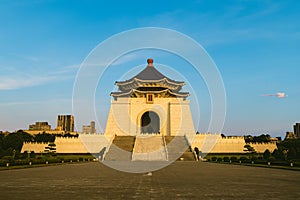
{"x":87,"y":143}
{"x":215,"y":143}
{"x":34,"y":132}
{"x":94,"y":143}
{"x":33,"y":146}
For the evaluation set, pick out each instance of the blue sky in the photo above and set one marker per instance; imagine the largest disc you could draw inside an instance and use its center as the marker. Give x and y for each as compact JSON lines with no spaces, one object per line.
{"x":255,"y":45}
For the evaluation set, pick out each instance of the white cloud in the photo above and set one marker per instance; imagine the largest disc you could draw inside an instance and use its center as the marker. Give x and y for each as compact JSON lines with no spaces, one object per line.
{"x":16,"y":79}
{"x":40,"y":102}
{"x":67,"y":69}
{"x":279,"y":95}
{"x":11,"y":83}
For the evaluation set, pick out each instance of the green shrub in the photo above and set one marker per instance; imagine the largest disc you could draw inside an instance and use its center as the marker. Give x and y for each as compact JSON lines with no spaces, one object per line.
{"x":226,"y":159}
{"x":267,"y":154}
{"x":254,"y":158}
{"x":3,"y":163}
{"x":8,"y":158}
{"x":260,"y":161}
{"x":296,"y":164}
{"x":244,"y":159}
{"x":233,"y":159}
{"x":214,"y":159}
{"x":21,"y":162}
{"x":260,"y":158}
{"x":219,"y":160}
{"x":271,"y":159}
{"x":53,"y":160}
{"x":280,"y":163}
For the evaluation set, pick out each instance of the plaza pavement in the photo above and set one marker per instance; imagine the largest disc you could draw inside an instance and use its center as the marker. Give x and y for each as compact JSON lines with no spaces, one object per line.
{"x":180,"y":180}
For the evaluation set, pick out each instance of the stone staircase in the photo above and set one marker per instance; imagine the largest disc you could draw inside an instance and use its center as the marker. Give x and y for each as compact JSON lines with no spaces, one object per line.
{"x":149,"y":148}
{"x":120,"y":149}
{"x":178,"y":149}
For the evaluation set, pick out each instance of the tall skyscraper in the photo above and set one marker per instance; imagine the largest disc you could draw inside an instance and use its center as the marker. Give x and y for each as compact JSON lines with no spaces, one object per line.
{"x":65,"y":123}
{"x":297,"y":130}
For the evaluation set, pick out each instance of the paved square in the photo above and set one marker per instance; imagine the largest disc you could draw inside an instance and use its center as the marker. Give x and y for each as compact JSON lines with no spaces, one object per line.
{"x":180,"y":180}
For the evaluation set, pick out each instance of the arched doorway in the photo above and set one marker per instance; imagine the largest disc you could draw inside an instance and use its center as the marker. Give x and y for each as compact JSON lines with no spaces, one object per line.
{"x":150,"y":123}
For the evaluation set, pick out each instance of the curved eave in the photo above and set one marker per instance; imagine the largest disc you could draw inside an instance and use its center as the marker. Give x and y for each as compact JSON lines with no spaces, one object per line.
{"x":120,"y":94}
{"x":135,"y":83}
{"x":130,"y":81}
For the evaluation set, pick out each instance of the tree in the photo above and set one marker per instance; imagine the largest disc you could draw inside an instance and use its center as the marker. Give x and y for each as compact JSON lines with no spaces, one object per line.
{"x":51,"y":148}
{"x":290,"y":148}
{"x":32,"y":154}
{"x":278,"y":154}
{"x":13,"y":141}
{"x":44,"y":137}
{"x":291,"y":154}
{"x":25,"y":136}
{"x":197,"y":151}
{"x":260,"y":139}
{"x":250,"y":150}
{"x":248,"y":138}
{"x":267,"y":154}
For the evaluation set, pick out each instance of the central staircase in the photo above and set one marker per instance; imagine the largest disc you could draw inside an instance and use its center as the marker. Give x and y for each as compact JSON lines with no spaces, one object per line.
{"x":149,"y":148}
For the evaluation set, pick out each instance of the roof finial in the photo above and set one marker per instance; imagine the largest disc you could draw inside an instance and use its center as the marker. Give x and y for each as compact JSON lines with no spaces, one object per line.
{"x":150,"y":62}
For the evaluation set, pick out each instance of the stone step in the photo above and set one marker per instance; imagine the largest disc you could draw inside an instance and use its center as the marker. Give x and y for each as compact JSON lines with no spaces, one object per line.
{"x":126,"y":148}
{"x":120,"y":149}
{"x":149,"y":148}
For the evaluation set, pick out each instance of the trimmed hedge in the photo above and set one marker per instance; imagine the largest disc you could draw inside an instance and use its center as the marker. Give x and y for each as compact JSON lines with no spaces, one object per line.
{"x":234,"y":159}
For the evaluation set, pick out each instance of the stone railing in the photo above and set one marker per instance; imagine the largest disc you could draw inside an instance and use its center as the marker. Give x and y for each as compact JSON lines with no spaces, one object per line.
{"x":166,"y":149}
{"x":108,"y":147}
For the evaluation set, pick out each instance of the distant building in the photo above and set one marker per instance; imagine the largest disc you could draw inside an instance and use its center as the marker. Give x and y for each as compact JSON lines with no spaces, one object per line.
{"x":297,"y":130}
{"x":65,"y":123}
{"x":40,"y":126}
{"x":290,"y":135}
{"x":86,"y":129}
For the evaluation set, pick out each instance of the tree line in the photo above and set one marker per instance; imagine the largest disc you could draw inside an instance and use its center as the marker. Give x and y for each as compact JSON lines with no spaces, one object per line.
{"x":287,"y":150}
{"x":11,"y":143}
{"x":263,"y":138}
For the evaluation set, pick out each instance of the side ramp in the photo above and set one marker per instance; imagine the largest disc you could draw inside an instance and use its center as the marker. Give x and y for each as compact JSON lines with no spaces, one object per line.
{"x":120,"y":149}
{"x":94,"y":143}
{"x":178,"y":148}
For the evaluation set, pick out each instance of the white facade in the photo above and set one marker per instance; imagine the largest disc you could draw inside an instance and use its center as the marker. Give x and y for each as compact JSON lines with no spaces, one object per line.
{"x":125,"y":116}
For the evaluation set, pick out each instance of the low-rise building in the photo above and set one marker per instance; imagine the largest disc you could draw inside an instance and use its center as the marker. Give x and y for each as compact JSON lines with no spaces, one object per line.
{"x":290,"y":135}
{"x":40,"y":126}
{"x":87,"y":129}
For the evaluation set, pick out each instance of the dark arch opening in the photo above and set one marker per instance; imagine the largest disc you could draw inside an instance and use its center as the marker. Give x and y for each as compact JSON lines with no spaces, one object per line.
{"x":150,"y":123}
